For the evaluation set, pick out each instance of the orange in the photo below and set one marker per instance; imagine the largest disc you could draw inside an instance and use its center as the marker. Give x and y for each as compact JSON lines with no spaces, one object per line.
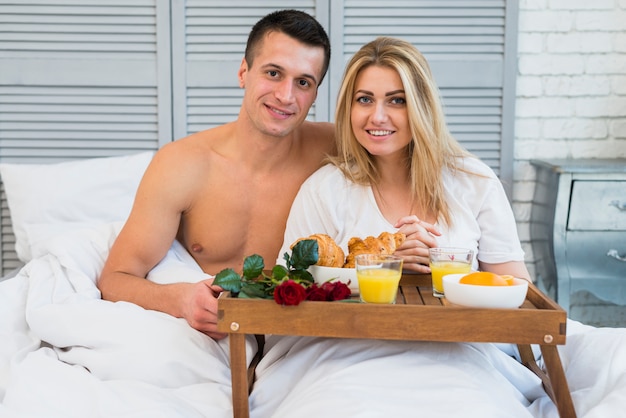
{"x":509,"y":279}
{"x":484,"y":278}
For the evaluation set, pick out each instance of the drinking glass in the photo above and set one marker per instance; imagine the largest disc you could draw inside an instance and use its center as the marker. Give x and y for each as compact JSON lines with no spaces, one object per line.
{"x":378,"y":276}
{"x":448,"y":260}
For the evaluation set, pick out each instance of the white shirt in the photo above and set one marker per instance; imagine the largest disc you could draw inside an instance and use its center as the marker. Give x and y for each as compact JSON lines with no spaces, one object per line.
{"x":482,"y":218}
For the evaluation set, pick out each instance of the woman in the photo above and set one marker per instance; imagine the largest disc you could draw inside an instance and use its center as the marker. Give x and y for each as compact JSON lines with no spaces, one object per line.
{"x":399,"y":168}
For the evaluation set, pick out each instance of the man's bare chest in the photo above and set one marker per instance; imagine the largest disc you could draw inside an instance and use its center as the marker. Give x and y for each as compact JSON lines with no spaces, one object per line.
{"x":220,"y":233}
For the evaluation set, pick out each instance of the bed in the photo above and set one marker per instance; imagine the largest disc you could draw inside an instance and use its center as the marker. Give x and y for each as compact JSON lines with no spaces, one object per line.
{"x":64,"y":352}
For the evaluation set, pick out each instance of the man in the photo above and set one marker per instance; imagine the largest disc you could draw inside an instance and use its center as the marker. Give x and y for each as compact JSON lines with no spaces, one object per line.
{"x":225,"y":193}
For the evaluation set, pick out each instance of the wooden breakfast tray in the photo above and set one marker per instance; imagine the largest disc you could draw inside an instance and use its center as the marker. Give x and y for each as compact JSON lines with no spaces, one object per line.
{"x":417,"y":315}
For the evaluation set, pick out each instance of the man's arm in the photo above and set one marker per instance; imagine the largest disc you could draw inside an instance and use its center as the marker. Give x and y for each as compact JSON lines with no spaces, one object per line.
{"x":145,"y":239}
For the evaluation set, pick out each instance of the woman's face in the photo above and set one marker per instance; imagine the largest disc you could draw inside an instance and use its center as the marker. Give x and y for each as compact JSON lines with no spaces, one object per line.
{"x":379,"y":114}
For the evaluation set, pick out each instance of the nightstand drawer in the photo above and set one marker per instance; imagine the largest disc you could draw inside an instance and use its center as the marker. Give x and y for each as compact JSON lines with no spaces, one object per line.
{"x":598,"y":206}
{"x":587,"y":254}
{"x":598,"y":258}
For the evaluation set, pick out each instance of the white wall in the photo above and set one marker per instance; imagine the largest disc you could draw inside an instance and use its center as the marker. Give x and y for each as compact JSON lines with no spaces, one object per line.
{"x":571,"y":89}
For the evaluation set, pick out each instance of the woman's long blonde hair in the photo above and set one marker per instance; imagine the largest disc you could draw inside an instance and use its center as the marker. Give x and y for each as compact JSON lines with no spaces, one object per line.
{"x":432,"y":147}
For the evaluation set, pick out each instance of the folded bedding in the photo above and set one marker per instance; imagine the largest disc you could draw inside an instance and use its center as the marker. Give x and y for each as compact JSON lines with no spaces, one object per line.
{"x":64,"y":352}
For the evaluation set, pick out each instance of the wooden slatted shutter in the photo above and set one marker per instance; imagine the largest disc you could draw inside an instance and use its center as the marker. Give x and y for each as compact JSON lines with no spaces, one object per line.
{"x":81,"y":79}
{"x":90,"y":78}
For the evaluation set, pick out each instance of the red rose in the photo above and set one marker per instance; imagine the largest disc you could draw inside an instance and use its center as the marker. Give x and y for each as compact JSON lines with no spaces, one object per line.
{"x":340,"y":292}
{"x":336,"y":291}
{"x":314,"y":292}
{"x":289,"y":292}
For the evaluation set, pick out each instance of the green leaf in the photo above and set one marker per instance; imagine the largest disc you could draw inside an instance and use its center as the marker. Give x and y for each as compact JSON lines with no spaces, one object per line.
{"x":304,"y":254}
{"x":279,"y":272}
{"x":253,"y":290}
{"x":229,"y":280}
{"x":301,"y":276}
{"x":253,"y":266}
{"x":287,"y":259}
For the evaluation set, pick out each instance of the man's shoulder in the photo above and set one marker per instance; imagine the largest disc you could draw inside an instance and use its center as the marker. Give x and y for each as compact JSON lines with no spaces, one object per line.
{"x":198,"y":138}
{"x":174,"y":152}
{"x":192,"y":145}
{"x":184,"y":156}
{"x":318,"y":135}
{"x":324,"y":126}
{"x":323,"y":130}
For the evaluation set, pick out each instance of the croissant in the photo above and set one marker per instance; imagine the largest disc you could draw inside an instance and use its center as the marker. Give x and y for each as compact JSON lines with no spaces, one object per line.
{"x":329,"y":253}
{"x":385,"y":243}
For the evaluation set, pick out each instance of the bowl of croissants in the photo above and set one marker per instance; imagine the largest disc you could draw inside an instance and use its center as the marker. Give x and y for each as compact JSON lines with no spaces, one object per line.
{"x":334,"y":264}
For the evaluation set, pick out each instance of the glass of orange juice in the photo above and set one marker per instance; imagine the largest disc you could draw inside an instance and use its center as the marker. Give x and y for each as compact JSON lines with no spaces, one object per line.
{"x":445,"y":261}
{"x":378,"y":276}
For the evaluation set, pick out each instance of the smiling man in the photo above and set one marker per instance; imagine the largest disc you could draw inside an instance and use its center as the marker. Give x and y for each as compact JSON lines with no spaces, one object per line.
{"x":225,"y":193}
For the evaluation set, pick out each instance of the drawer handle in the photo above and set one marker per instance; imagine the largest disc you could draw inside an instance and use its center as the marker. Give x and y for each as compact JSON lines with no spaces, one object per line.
{"x":619,"y":205}
{"x":613,"y":253}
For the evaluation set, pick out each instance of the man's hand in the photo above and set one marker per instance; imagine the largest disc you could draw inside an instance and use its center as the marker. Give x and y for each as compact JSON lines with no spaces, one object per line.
{"x":200,"y":308}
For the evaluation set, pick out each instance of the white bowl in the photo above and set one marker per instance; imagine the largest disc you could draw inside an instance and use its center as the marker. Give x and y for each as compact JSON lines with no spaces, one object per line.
{"x":478,"y":296}
{"x":323,"y":274}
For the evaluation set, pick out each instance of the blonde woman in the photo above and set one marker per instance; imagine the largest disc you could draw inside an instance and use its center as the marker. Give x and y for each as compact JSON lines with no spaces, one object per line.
{"x":399,"y":168}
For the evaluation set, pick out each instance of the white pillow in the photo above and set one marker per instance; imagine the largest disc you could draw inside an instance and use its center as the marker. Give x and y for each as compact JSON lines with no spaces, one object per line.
{"x":48,"y":199}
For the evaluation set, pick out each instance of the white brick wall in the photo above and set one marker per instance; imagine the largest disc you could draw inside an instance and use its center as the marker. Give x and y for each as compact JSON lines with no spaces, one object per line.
{"x":571,"y":89}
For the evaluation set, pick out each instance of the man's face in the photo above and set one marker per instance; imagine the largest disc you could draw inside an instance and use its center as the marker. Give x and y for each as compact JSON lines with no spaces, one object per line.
{"x":281,"y":85}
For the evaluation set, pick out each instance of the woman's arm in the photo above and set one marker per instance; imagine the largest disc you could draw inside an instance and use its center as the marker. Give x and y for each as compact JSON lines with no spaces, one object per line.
{"x":514,"y":268}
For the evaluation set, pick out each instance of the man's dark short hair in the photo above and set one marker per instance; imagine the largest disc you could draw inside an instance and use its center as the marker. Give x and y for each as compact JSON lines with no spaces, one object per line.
{"x":294,"y":23}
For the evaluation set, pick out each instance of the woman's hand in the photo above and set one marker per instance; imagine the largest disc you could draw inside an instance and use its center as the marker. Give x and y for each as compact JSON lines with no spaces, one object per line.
{"x":420,"y":236}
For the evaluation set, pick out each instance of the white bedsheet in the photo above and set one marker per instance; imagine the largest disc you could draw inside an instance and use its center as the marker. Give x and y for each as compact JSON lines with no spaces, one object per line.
{"x":66,"y":353}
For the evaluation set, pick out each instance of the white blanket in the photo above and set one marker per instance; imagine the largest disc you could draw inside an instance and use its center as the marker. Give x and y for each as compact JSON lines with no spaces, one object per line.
{"x":64,"y":352}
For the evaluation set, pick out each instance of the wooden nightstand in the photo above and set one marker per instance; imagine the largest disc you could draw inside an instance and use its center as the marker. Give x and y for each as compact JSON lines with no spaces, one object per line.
{"x":578,"y":233}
